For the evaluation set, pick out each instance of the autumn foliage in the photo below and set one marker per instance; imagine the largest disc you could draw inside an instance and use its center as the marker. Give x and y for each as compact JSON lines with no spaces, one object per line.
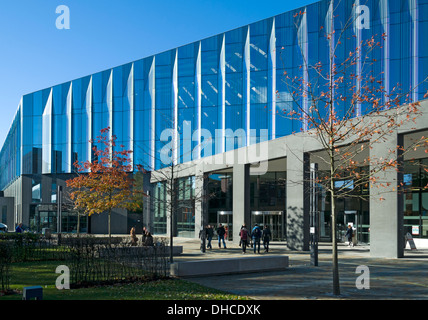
{"x":106,"y":182}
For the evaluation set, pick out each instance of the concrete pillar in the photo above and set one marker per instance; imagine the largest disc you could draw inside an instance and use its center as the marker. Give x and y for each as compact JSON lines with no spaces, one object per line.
{"x":201,"y":218}
{"x":241,"y":199}
{"x":297,"y":198}
{"x":386,"y":209}
{"x":24,"y":201}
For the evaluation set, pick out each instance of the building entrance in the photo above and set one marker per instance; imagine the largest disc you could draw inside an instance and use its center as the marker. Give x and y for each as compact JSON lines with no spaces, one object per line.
{"x":226,"y":219}
{"x":275,"y":221}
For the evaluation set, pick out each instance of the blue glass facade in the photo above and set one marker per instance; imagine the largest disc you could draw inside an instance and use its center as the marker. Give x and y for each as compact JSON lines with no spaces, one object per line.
{"x":231,"y":82}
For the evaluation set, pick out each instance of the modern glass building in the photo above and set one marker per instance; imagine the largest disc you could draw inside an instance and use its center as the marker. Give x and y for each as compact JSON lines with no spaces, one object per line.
{"x":204,"y":99}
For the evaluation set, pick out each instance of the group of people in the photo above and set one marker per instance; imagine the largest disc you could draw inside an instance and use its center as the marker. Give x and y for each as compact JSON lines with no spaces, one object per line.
{"x":246,"y":238}
{"x":256,"y":235}
{"x":208,"y":234}
{"x":147,"y":238}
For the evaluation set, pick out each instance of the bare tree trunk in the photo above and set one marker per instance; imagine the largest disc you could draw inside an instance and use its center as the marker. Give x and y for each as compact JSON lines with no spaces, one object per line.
{"x":171,"y":218}
{"x":336,"y":284}
{"x":109,"y":225}
{"x":78,"y":223}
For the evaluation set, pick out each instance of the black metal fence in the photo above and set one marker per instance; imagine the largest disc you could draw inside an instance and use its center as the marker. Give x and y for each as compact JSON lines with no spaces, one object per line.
{"x":96,"y":260}
{"x":90,"y":259}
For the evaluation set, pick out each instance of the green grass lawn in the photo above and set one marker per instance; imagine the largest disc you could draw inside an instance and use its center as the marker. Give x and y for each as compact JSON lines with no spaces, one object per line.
{"x":43,"y":274}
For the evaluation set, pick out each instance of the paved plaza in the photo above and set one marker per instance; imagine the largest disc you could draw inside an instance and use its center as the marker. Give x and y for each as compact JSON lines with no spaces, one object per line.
{"x":405,"y":278}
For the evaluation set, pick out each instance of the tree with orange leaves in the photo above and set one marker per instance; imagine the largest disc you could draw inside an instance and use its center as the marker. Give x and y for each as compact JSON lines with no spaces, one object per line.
{"x":106,"y":182}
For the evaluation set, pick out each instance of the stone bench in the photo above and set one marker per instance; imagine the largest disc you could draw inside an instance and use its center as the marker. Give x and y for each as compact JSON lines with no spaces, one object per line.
{"x":228,"y":266}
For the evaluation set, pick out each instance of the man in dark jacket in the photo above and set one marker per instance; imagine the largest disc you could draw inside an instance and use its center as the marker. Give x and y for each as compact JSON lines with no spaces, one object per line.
{"x":221,"y":232}
{"x":210,"y":235}
{"x":266,"y":238}
{"x":256,"y":234}
{"x":349,"y":234}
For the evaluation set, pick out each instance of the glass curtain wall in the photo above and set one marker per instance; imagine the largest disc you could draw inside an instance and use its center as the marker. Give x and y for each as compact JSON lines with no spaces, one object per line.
{"x":61,"y":137}
{"x":268,"y":202}
{"x":259,"y":86}
{"x":143,"y":98}
{"x":10,"y":154}
{"x":164,"y":116}
{"x":210,"y":93}
{"x":123,"y":107}
{"x":187,"y":120}
{"x":220,"y":192}
{"x":350,"y":209}
{"x":415,"y":202}
{"x":81,"y":118}
{"x":185,"y":215}
{"x":160,"y":207}
{"x":102,"y":104}
{"x":235,"y":106}
{"x":184,"y":219}
{"x":40,"y":220}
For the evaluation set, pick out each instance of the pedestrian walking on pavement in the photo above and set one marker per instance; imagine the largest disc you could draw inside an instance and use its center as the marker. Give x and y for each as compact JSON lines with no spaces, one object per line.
{"x":134,"y":238}
{"x":348,"y":234}
{"x":210,"y":235}
{"x":221,"y":232}
{"x":256,"y":234}
{"x":244,"y":235}
{"x":266,"y":237}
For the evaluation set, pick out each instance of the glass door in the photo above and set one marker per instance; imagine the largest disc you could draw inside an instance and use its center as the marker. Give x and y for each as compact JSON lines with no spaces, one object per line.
{"x":275,"y":221}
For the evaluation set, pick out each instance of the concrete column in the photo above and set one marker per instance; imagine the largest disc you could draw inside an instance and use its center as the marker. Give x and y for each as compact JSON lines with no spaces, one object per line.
{"x":9,"y":203}
{"x":241,"y":199}
{"x":297,"y":198}
{"x":24,"y":201}
{"x":200,"y":214}
{"x":386,"y":213}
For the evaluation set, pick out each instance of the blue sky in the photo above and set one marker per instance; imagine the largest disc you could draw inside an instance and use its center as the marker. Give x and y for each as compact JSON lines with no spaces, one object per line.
{"x":103,"y":34}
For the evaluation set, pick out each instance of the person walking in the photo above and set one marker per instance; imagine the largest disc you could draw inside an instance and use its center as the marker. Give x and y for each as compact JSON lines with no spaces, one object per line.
{"x":134,"y":238}
{"x":349,"y":234}
{"x":19,"y":229}
{"x":256,"y":234}
{"x":210,"y":235}
{"x":149,"y":239}
{"x":267,"y":235}
{"x":144,"y":236}
{"x":221,"y":232}
{"x":244,"y":235}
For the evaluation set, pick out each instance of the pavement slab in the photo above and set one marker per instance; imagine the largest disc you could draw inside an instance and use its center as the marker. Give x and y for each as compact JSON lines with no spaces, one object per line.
{"x":385,"y":279}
